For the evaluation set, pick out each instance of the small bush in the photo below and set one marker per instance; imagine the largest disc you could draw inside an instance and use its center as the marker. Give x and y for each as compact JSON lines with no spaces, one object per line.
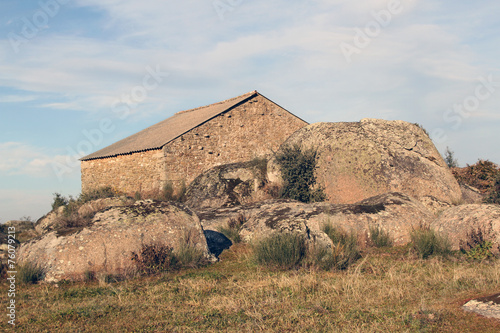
{"x":345,"y":251}
{"x":232,"y":231}
{"x":379,"y":237}
{"x":155,"y":258}
{"x":280,"y":250}
{"x":493,"y":194}
{"x":297,"y":168}
{"x":449,"y":158}
{"x":30,"y":273}
{"x":190,"y":256}
{"x":477,"y":245}
{"x":59,"y":201}
{"x":426,"y":242}
{"x":483,"y":175}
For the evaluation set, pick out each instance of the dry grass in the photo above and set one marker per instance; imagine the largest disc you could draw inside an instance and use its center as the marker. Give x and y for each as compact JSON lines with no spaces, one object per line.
{"x":386,"y":291}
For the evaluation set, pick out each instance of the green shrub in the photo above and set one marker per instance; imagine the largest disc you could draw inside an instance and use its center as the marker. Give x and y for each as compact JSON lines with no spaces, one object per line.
{"x":280,"y":250}
{"x":449,"y":158}
{"x":297,"y":169}
{"x":155,"y":258}
{"x":59,"y":201}
{"x":493,"y":194}
{"x":477,"y":245}
{"x":232,"y":231}
{"x":30,"y":273}
{"x":379,"y":237}
{"x":345,"y":250}
{"x":190,"y":256}
{"x":482,"y":175}
{"x":426,"y":242}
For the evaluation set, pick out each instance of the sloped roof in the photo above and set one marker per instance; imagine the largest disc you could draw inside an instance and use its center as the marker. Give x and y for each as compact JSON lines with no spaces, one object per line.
{"x":158,"y":135}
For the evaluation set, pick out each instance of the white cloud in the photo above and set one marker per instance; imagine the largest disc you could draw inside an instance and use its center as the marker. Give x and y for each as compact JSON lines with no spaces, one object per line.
{"x":22,"y":159}
{"x":17,"y":98}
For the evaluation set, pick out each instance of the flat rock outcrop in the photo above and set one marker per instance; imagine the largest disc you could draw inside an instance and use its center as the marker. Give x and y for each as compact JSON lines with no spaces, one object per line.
{"x":105,"y":246}
{"x":227,"y":185}
{"x":457,"y":221}
{"x":392,"y":212}
{"x":488,"y":306}
{"x":358,"y":160}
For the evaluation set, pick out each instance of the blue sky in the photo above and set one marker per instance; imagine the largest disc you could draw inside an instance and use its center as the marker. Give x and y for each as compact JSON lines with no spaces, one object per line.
{"x":78,"y":75}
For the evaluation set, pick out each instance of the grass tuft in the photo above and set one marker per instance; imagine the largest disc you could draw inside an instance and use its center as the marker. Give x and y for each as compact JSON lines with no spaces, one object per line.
{"x":345,"y":250}
{"x":426,"y":242}
{"x":379,"y":237}
{"x":232,"y":230}
{"x":280,"y":250}
{"x":30,"y":273}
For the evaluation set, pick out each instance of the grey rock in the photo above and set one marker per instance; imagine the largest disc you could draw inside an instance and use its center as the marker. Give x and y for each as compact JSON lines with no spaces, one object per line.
{"x":394,"y":212}
{"x":457,"y":221}
{"x":106,"y":245}
{"x":486,"y":306}
{"x":227,"y":185}
{"x":358,"y":160}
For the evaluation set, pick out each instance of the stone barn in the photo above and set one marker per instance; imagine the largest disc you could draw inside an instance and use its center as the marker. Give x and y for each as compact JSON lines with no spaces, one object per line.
{"x":178,"y":149}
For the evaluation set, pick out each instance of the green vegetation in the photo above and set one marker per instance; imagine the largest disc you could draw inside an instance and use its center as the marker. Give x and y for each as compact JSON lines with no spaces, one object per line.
{"x":281,"y":250}
{"x":232,"y":230}
{"x":297,"y":169}
{"x":485,"y":176}
{"x":379,"y":237}
{"x":493,"y":196}
{"x":449,"y":158}
{"x":345,"y":251}
{"x":426,"y":242}
{"x":158,"y":258}
{"x":155,"y":258}
{"x":29,"y":272}
{"x":478,"y":244}
{"x":59,"y":201}
{"x":387,"y":291}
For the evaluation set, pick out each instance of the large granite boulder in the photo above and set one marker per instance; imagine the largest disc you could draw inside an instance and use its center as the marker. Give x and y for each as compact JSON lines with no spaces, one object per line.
{"x":54,"y":220}
{"x":358,"y":160}
{"x":227,"y":185}
{"x":395,"y":213}
{"x":457,"y":221}
{"x":106,"y":245}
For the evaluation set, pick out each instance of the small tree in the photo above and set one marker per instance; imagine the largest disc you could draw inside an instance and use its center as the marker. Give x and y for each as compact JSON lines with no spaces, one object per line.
{"x":449,"y":158}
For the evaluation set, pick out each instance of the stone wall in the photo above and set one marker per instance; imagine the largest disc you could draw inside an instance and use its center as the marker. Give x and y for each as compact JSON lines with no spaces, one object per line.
{"x":139,"y":172}
{"x":255,"y":128}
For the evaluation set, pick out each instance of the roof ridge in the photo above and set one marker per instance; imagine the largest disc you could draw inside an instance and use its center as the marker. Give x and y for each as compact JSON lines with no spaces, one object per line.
{"x":217,"y":103}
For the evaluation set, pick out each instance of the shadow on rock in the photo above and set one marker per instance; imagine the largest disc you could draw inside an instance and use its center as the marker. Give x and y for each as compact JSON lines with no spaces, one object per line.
{"x":217,"y":242}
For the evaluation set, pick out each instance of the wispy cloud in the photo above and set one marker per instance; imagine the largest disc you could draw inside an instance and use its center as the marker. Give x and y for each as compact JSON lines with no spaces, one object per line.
{"x":17,"y":98}
{"x":22,"y":159}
